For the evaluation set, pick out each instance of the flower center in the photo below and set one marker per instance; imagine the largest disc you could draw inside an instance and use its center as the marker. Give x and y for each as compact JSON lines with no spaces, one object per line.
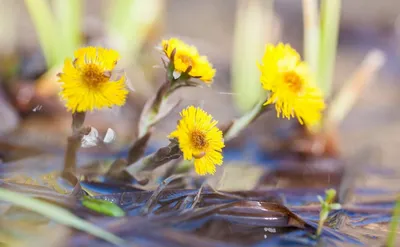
{"x":186,"y":60}
{"x":93,"y":75}
{"x":293,"y":81}
{"x":198,"y":139}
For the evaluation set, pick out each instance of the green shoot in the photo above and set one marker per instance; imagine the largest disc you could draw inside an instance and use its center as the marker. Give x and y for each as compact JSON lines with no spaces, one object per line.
{"x":58,"y":214}
{"x":391,"y":240}
{"x":326,"y":206}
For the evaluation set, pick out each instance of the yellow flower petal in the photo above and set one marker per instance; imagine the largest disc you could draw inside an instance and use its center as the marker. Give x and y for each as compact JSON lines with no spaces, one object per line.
{"x":291,"y":84}
{"x":187,"y":58}
{"x":86,"y":83}
{"x":199,"y":138}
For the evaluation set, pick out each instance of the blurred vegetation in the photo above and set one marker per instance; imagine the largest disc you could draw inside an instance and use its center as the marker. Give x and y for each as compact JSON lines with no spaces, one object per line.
{"x":128,"y":23}
{"x":57,"y":214}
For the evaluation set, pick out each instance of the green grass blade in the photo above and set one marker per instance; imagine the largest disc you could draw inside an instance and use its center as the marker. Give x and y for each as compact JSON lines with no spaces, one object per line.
{"x":253,"y":23}
{"x":69,"y":20}
{"x":394,"y":223}
{"x":330,"y":18}
{"x":129,"y":22}
{"x":58,"y":214}
{"x":118,"y":11}
{"x":44,"y":23}
{"x":311,"y":33}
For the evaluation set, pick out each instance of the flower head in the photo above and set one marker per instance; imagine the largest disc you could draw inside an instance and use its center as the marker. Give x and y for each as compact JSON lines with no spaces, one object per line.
{"x":199,"y":138}
{"x":187,"y":60}
{"x":290,"y":83}
{"x":86,"y":80}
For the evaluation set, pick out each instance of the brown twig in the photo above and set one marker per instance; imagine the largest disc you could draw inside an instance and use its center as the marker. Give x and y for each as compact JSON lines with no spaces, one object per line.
{"x":138,"y":148}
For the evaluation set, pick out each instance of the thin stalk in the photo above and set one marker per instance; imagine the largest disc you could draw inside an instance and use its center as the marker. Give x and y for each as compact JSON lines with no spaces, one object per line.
{"x":44,"y":23}
{"x":311,"y":33}
{"x":241,"y":123}
{"x":352,"y":88}
{"x":391,"y":240}
{"x":69,"y":19}
{"x":330,"y":18}
{"x":253,"y":23}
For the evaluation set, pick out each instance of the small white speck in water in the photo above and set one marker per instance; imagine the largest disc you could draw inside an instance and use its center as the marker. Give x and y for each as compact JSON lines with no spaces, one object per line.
{"x":271,"y":230}
{"x":37,"y":108}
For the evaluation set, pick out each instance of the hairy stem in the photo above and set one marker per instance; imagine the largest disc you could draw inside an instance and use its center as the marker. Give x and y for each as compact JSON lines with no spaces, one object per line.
{"x":74,"y":141}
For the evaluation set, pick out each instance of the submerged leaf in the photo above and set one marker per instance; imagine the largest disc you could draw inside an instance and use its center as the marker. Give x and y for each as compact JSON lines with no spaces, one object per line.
{"x":103,"y":206}
{"x":58,"y":214}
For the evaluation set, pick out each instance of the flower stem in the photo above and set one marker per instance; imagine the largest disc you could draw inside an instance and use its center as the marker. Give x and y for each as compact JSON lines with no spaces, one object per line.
{"x":330,"y":18}
{"x":241,"y":123}
{"x":148,"y":117}
{"x":153,"y":111}
{"x":160,"y":157}
{"x":78,"y":119}
{"x":74,"y":142}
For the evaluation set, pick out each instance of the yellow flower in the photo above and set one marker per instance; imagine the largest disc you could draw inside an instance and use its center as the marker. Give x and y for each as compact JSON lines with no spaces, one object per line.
{"x":186,"y":59}
{"x":291,"y":85}
{"x":199,"y":138}
{"x":86,"y":80}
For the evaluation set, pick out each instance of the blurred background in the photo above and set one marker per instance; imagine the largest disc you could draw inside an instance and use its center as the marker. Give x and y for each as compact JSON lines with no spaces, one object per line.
{"x":37,"y":35}
{"x":31,"y":92}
